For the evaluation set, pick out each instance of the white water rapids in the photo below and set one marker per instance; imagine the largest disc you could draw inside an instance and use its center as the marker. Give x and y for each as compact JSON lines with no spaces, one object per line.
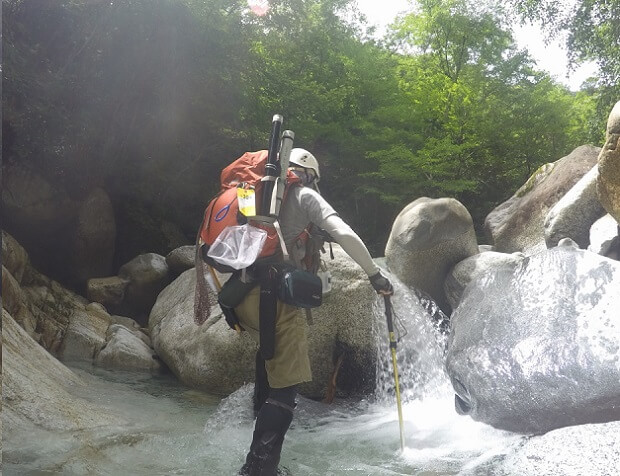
{"x":174,"y":430}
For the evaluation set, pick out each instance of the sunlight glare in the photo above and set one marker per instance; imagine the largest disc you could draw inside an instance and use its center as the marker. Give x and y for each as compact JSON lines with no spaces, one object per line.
{"x":259,"y":7}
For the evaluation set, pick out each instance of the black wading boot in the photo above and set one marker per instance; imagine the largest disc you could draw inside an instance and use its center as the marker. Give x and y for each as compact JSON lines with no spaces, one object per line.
{"x":274,"y":419}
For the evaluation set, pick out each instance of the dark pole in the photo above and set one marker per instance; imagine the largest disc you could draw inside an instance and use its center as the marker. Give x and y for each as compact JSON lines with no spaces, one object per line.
{"x":271,"y":168}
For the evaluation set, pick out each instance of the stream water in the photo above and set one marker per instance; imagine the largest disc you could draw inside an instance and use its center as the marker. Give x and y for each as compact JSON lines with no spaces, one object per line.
{"x":174,"y":430}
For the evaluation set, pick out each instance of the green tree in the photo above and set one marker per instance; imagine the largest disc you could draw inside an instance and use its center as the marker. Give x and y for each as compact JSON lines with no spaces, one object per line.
{"x":488,"y":119}
{"x":312,"y":66}
{"x":593,"y":30}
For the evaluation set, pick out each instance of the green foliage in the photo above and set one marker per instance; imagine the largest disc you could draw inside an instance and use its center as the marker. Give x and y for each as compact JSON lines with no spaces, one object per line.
{"x":593,"y":30}
{"x":488,"y":119}
{"x":151,"y":98}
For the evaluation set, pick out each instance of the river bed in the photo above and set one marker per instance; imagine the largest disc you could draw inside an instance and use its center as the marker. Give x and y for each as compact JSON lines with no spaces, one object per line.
{"x":174,"y":430}
{"x":169,"y":429}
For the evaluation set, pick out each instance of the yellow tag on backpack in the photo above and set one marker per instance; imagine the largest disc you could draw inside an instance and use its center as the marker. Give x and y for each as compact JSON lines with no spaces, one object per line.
{"x":247,"y":201}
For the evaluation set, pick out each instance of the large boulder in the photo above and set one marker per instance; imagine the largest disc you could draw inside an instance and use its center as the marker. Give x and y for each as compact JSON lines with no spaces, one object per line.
{"x":215,"y":358}
{"x":93,"y":238}
{"x":573,"y":215}
{"x":108,"y":291}
{"x":428,"y":237}
{"x":127,"y":350}
{"x":181,"y":259}
{"x":608,"y":184}
{"x":212,"y":356}
{"x":147,"y":275}
{"x":536,"y":346}
{"x":518,"y":223}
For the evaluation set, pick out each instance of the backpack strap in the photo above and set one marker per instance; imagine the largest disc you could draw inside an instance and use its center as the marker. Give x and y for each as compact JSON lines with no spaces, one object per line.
{"x":285,"y":255}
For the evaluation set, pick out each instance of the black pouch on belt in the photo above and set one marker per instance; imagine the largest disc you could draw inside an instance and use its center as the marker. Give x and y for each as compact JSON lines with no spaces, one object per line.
{"x":268,"y":310}
{"x":230,"y":296}
{"x":300,"y":288}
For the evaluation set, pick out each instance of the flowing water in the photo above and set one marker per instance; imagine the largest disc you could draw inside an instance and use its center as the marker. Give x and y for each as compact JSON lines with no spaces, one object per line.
{"x":174,"y":430}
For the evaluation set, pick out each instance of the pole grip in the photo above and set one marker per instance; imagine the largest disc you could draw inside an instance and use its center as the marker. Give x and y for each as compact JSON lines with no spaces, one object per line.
{"x":388,"y":314}
{"x":274,"y":138}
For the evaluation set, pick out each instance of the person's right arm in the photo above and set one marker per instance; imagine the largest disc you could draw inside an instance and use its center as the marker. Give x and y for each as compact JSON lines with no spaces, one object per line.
{"x":323,"y":215}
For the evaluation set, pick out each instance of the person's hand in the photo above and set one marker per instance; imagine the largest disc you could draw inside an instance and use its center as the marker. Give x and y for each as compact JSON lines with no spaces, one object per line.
{"x":381,"y":284}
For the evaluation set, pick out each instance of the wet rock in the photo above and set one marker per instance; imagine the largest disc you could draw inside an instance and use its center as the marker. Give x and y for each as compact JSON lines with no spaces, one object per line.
{"x":580,"y":450}
{"x":128,"y":322}
{"x":200,"y":356}
{"x":52,"y":305}
{"x":536,"y":346}
{"x":85,"y":335}
{"x":473,"y":267}
{"x":138,"y":332}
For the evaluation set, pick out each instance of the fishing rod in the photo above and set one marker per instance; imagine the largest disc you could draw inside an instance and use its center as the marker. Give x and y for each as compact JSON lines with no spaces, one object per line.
{"x":390,"y":325}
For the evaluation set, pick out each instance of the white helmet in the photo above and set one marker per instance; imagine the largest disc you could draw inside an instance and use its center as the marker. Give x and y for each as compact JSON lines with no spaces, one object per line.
{"x":304,"y":159}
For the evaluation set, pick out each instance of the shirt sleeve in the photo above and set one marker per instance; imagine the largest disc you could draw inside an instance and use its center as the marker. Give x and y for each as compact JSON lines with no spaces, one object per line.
{"x":351,"y":243}
{"x":322,"y":214}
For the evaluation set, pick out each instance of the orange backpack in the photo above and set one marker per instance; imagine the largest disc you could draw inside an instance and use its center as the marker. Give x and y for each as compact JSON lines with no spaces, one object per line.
{"x":246,"y":173}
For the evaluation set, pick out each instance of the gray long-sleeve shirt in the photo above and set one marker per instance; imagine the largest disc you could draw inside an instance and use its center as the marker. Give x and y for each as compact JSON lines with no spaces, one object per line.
{"x":304,"y":206}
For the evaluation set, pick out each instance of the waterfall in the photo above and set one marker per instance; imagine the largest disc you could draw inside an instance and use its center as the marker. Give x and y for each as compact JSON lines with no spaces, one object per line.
{"x":419,"y":351}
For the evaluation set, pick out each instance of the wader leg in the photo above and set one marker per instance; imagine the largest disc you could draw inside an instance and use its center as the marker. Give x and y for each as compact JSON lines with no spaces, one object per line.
{"x":261,"y":384}
{"x":272,"y":423}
